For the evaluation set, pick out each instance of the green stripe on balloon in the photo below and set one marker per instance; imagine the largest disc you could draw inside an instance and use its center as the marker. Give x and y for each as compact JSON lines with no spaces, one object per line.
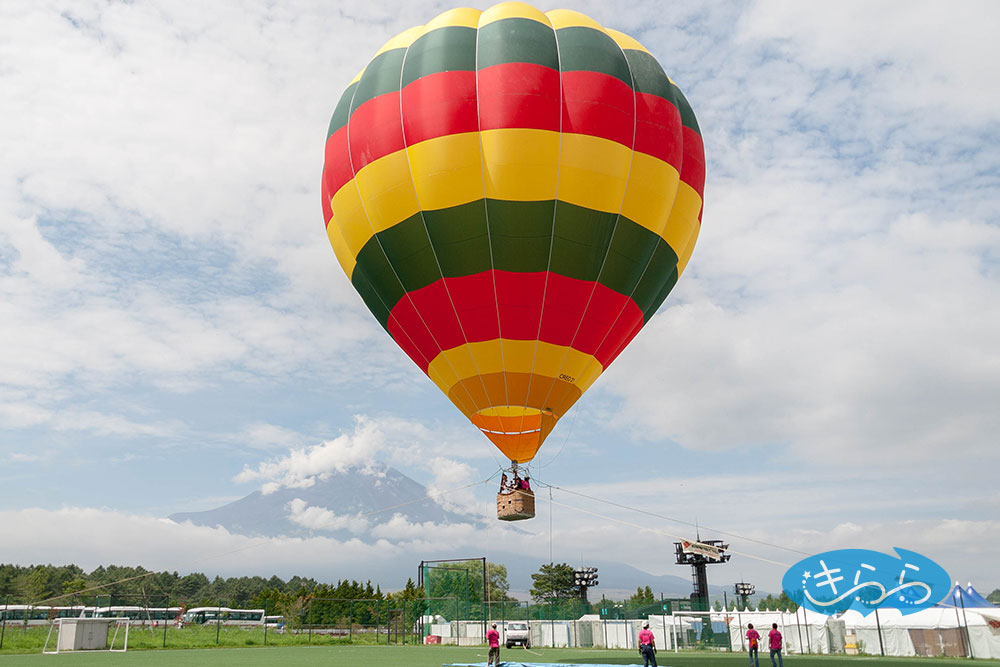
{"x":448,"y":49}
{"x":517,"y":40}
{"x":586,"y":49}
{"x":586,"y":245}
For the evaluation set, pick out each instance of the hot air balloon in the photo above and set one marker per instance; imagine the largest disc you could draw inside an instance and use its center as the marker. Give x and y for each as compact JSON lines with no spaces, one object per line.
{"x":513,"y":194}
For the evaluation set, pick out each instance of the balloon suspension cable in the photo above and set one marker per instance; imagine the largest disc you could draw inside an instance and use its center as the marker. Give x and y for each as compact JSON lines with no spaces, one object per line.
{"x":661,"y":531}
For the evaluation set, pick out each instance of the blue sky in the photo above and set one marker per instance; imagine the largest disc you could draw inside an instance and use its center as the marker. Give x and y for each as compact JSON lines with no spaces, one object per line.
{"x":175,"y":331}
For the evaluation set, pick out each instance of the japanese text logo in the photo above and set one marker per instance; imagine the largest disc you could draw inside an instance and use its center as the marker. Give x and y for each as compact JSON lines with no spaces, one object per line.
{"x":865,"y":580}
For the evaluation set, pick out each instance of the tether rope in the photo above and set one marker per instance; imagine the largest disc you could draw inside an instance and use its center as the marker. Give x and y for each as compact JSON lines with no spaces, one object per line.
{"x":663,"y":532}
{"x":667,"y":518}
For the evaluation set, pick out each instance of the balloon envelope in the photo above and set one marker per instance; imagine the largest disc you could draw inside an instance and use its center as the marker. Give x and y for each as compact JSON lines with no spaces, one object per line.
{"x":513,"y":194}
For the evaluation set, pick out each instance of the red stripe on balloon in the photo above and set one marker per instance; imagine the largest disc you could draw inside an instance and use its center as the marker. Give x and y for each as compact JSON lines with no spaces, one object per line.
{"x":327,"y":210}
{"x":514,"y":95}
{"x":693,"y":168}
{"x":438,"y":105}
{"x":599,"y":105}
{"x":375,"y":130}
{"x":658,"y":129}
{"x":425,"y":322}
{"x":337,"y":164}
{"x":520,"y":95}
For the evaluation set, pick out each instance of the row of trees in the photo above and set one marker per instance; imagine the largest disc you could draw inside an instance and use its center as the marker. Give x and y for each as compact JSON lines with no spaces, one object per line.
{"x":63,"y":583}
{"x":553,"y":585}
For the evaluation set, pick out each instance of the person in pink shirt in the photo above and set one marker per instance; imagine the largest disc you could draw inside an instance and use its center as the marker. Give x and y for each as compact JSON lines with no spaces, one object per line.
{"x":493,"y":637}
{"x":774,"y":640}
{"x":753,"y":642}
{"x":647,"y":646}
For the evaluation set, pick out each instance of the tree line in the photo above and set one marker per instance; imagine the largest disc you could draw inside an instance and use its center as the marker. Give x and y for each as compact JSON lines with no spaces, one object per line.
{"x":62,"y":584}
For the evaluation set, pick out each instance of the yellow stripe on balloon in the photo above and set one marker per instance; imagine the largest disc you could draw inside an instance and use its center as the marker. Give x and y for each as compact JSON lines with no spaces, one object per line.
{"x":682,"y":228}
{"x":567,"y":18}
{"x":511,"y":10}
{"x":593,"y":172}
{"x":652,"y":187}
{"x":625,"y":41}
{"x":344,"y":256}
{"x":520,"y":164}
{"x":510,"y":411}
{"x":460,"y":16}
{"x":387,"y":191}
{"x":513,"y":356}
{"x":401,"y":41}
{"x":514,"y":164}
{"x":350,"y":218}
{"x":447,"y":171}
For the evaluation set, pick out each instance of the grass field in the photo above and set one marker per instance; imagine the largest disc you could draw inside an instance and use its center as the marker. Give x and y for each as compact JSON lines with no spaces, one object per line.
{"x":435,"y":656}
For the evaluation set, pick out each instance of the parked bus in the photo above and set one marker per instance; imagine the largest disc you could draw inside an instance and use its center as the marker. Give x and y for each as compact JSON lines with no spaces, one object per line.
{"x":227,"y":616}
{"x":40,"y":614}
{"x":140,"y":615}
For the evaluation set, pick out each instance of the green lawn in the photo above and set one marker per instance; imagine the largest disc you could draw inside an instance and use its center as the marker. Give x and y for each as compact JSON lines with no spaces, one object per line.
{"x":435,"y":656}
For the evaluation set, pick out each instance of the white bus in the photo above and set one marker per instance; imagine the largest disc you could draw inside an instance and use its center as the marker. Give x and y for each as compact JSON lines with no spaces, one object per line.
{"x":140,"y":615}
{"x":227,"y":616}
{"x":40,"y":614}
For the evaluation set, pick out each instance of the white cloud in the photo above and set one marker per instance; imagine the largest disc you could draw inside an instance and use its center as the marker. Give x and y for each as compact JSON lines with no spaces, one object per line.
{"x":388,"y":550}
{"x":302,"y":466}
{"x":91,"y":537}
{"x":320,"y":518}
{"x":456,"y":535}
{"x":269,"y":436}
{"x":450,"y":475}
{"x":918,"y":53}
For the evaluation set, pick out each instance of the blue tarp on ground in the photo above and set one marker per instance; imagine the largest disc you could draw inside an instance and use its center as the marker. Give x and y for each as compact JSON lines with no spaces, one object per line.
{"x":508,"y":663}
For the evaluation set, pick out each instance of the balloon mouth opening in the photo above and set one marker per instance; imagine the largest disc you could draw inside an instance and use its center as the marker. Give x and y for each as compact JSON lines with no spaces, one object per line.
{"x":517,"y":431}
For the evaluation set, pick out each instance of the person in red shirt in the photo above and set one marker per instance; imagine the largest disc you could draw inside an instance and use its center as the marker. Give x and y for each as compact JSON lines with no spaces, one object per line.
{"x":774,"y":640}
{"x":753,"y":640}
{"x":647,"y":646}
{"x":493,"y":637}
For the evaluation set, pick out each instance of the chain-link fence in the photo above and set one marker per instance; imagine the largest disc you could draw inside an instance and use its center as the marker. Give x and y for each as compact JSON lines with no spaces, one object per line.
{"x":571,"y":622}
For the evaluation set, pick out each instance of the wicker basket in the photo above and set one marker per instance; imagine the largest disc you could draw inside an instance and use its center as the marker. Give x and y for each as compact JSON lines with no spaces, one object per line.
{"x":516,"y":505}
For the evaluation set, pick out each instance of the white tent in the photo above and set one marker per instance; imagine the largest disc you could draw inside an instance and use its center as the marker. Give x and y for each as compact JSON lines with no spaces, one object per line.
{"x":804,"y":632}
{"x":931,"y":632}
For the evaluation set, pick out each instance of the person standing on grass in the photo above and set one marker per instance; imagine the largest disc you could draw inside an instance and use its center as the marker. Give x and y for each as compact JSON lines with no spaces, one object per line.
{"x":774,"y":640}
{"x":753,"y":639}
{"x":647,"y":646}
{"x":493,"y":637}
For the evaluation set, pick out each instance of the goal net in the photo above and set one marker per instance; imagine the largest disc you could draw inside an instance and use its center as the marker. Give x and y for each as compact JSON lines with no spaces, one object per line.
{"x":700,"y":630}
{"x":108,"y":635}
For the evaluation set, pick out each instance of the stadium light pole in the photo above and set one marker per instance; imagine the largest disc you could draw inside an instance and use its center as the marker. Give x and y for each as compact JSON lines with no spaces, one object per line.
{"x":584,"y":579}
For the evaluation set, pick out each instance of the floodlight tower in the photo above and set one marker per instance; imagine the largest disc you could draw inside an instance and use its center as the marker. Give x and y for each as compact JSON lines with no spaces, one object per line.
{"x":583,"y":579}
{"x":699,"y":555}
{"x":743,"y":591}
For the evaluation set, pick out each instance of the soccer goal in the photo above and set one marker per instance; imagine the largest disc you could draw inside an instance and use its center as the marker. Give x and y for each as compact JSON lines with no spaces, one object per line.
{"x":700,"y":630}
{"x":88,"y":634}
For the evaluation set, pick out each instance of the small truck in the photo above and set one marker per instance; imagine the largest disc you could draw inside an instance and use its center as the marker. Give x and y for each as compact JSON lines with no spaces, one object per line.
{"x":517,"y":632}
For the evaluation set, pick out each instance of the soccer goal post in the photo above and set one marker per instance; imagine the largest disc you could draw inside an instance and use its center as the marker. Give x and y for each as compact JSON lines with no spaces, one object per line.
{"x":701,"y":630}
{"x":88,"y":634}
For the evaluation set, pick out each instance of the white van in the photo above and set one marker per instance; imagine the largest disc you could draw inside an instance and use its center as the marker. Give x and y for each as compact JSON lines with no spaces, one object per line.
{"x":517,"y":632}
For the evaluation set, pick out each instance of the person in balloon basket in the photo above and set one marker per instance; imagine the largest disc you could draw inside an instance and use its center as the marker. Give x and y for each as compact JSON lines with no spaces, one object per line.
{"x":493,"y":637}
{"x":774,"y":641}
{"x":647,"y":645}
{"x":753,"y":641}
